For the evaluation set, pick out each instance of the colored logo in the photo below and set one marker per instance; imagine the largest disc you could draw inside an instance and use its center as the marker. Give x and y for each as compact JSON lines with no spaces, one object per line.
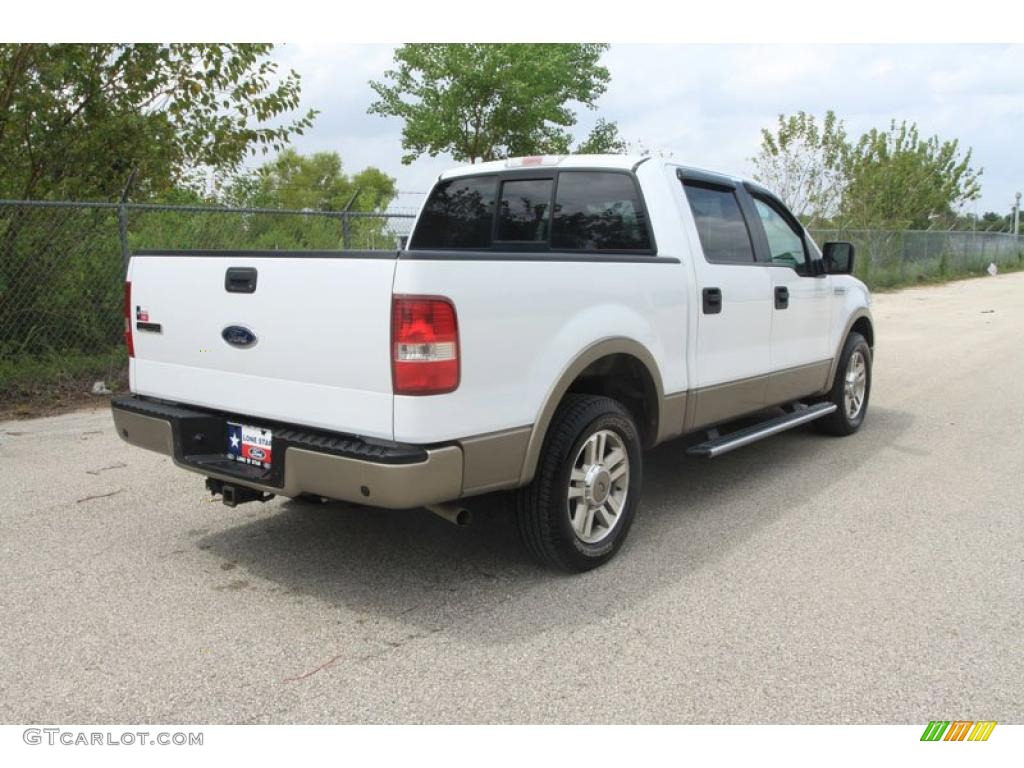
{"x":238,"y":336}
{"x":958,"y":730}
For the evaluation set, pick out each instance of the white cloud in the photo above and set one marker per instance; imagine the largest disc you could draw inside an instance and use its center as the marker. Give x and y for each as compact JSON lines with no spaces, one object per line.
{"x":707,"y":103}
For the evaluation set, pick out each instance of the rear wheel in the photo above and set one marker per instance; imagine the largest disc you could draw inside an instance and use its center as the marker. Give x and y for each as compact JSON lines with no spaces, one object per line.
{"x":577,"y":511}
{"x":850,"y":390}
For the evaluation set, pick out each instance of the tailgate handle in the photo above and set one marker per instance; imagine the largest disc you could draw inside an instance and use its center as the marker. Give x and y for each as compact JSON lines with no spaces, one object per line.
{"x":240,"y":280}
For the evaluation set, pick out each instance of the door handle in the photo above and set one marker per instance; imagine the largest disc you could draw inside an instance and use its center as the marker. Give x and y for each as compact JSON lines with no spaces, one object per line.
{"x":712,"y":301}
{"x":240,"y":280}
{"x":781,"y":297}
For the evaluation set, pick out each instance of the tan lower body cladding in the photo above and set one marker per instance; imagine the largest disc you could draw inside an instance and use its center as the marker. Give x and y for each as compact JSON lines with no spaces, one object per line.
{"x":722,"y":402}
{"x":497,"y":461}
{"x":483,"y":463}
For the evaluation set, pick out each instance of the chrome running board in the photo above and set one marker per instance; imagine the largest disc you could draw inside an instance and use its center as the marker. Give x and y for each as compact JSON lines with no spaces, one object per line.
{"x":716,"y":446}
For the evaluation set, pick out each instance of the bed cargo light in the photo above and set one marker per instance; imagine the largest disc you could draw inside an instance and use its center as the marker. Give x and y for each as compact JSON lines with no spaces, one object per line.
{"x":533,"y":161}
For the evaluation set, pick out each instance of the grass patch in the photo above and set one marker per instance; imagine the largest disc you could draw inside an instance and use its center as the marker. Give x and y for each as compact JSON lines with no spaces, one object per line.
{"x":38,"y":386}
{"x":936,"y":272}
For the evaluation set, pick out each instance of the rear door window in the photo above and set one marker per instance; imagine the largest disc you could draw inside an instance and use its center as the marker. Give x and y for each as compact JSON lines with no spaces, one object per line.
{"x":598,"y":212}
{"x":524,"y":215}
{"x":723,"y":232}
{"x":458,"y":214}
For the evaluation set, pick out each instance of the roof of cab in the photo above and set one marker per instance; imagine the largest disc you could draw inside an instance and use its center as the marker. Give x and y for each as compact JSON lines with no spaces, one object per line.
{"x":613,"y":162}
{"x":616,"y":162}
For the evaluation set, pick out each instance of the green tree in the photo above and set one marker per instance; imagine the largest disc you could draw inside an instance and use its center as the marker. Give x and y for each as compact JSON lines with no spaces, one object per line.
{"x":485,"y":101}
{"x":895,"y":179}
{"x":887,"y":179}
{"x":990,"y":220}
{"x":314,"y":182}
{"x":802,"y":162}
{"x":604,"y":139}
{"x":81,"y":120}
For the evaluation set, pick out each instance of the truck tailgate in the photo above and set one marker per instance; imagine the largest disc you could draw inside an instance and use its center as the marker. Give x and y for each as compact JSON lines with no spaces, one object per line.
{"x":321,"y":324}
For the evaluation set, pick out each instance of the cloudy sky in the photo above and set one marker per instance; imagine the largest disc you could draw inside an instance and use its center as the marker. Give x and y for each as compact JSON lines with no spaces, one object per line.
{"x":706,"y":104}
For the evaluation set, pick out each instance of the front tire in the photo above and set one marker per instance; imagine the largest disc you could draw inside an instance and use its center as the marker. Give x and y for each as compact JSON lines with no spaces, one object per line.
{"x":850,"y":390}
{"x":577,"y":511}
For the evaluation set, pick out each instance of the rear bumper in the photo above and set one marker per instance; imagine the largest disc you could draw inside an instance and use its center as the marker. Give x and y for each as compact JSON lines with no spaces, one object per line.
{"x":336,"y":466}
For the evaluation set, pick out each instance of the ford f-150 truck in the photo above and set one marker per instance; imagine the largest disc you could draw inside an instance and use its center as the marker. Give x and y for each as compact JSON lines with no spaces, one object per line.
{"x":549,"y":319}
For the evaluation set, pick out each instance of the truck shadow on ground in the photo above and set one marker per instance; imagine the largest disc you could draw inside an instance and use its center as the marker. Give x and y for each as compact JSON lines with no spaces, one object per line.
{"x":476,"y":584}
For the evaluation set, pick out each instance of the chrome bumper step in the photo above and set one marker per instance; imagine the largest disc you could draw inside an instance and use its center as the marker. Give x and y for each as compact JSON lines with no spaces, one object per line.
{"x":718,"y":445}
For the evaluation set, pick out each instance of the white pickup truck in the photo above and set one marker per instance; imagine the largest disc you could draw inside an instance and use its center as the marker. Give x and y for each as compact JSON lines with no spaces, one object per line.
{"x":550,"y":319}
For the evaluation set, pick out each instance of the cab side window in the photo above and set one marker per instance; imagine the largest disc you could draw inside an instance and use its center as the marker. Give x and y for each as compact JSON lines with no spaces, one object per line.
{"x":785,"y":243}
{"x":720,"y":224}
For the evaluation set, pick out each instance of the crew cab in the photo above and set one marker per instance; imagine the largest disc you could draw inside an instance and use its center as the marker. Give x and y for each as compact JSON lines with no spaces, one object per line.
{"x":549,"y":319}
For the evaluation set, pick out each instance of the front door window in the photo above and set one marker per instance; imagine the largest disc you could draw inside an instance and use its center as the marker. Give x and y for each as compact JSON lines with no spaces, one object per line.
{"x":785,"y":244}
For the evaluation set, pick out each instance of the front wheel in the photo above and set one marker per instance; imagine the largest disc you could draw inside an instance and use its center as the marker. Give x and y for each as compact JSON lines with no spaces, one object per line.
{"x":850,"y":390}
{"x":577,"y":511}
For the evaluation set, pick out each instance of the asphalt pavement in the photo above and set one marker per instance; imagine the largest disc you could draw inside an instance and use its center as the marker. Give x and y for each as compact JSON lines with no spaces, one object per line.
{"x":877,"y":578}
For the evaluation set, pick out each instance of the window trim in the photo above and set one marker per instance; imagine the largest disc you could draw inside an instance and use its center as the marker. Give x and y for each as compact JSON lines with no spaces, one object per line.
{"x":530,"y":246}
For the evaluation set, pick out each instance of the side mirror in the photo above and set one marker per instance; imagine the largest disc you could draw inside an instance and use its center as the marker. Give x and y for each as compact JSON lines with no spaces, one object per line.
{"x":838,"y":258}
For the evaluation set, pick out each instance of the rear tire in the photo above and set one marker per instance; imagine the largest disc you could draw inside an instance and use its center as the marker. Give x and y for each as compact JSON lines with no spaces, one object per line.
{"x":577,"y":511}
{"x":850,"y":389}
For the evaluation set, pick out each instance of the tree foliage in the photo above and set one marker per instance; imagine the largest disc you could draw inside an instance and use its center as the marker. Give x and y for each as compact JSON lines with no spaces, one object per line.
{"x":896,"y":179}
{"x":802,"y":163}
{"x":890,"y":179}
{"x":604,"y":139}
{"x":485,"y":101}
{"x":314,"y":182}
{"x":78,"y":121}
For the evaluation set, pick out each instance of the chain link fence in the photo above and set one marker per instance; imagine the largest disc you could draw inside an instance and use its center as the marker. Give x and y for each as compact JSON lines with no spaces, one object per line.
{"x":890,"y":258}
{"x":62,"y":272}
{"x":62,"y":267}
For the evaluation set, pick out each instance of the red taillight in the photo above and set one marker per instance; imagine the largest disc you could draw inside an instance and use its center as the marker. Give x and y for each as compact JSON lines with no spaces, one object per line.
{"x":424,"y":345}
{"x":128,"y":319}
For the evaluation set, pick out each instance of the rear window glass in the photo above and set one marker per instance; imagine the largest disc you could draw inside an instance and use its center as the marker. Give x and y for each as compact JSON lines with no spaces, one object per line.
{"x":598,"y":211}
{"x":592,"y":211}
{"x":720,"y":225}
{"x":458,"y":214}
{"x":525,"y":212}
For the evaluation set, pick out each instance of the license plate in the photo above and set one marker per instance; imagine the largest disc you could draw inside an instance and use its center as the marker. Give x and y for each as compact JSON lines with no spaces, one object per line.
{"x":250,"y":445}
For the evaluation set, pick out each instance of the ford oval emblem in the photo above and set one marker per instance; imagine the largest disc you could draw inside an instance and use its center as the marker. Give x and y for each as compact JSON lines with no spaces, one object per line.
{"x":238,"y":336}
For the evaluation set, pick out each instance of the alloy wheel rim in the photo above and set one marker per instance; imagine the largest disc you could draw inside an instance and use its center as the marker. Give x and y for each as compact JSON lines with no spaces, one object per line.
{"x":855,"y":385}
{"x":598,"y":486}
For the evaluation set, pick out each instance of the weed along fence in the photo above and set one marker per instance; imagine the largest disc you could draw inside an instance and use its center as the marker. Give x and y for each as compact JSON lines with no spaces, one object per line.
{"x":62,"y":269}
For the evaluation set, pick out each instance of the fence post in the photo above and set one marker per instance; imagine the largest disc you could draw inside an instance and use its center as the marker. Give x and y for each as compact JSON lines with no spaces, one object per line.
{"x":903,"y":256}
{"x":122,"y":231}
{"x":345,"y":231}
{"x":122,"y":220}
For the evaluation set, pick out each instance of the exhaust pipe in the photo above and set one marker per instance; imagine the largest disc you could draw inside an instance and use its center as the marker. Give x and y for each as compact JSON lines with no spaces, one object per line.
{"x":453,"y":513}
